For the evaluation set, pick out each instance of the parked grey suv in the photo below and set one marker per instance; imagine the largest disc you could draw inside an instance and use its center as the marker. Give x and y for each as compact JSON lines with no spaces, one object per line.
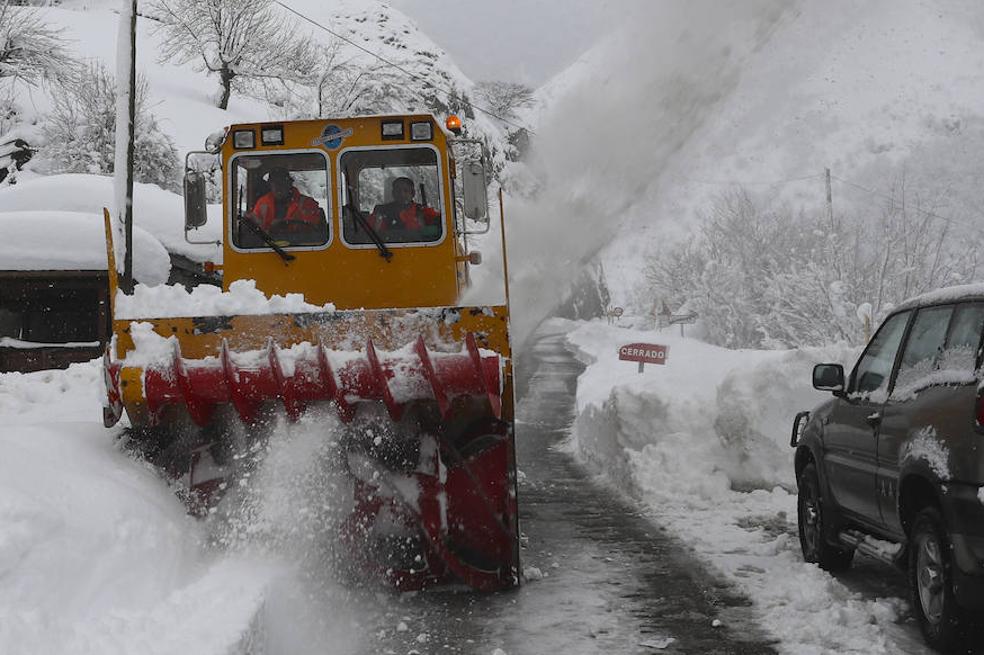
{"x":893,"y":464}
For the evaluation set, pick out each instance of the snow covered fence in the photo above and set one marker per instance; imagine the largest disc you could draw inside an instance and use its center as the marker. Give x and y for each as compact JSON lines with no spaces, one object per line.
{"x":711,"y":421}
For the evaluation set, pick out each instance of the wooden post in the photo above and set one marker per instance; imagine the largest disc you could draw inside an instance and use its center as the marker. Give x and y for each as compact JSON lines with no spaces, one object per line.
{"x":128,"y":216}
{"x":502,"y":229}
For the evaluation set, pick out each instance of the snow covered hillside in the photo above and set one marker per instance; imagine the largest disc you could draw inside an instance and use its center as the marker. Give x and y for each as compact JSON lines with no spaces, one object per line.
{"x":694,"y":99}
{"x":183,"y":98}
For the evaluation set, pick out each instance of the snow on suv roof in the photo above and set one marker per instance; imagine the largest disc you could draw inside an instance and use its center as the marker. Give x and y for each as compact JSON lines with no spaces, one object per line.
{"x":946,"y":294}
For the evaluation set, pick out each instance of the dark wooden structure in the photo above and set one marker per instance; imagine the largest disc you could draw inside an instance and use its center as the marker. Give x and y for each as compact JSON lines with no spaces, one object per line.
{"x":50,"y":319}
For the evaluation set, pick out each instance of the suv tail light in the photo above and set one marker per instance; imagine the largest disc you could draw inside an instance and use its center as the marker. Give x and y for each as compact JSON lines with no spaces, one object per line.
{"x":979,"y":413}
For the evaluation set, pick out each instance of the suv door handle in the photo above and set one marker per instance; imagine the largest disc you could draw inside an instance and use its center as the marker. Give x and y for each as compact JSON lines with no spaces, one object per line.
{"x":874,"y":420}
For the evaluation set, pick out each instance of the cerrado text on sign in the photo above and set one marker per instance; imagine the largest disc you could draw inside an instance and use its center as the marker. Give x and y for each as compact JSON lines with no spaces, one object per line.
{"x":644,"y":353}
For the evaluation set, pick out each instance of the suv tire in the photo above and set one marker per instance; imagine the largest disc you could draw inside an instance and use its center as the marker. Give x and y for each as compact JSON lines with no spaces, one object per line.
{"x":812,"y":531}
{"x":931,"y":581}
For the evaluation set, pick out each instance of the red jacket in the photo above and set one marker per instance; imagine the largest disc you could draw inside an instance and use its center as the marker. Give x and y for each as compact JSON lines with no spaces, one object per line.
{"x":412,"y":217}
{"x":299,"y":208}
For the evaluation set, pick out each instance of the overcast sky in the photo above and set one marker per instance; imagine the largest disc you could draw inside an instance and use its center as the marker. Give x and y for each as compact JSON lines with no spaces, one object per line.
{"x":516,"y":40}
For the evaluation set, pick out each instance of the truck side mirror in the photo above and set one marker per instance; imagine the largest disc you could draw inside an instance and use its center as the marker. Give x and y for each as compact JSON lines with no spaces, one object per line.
{"x":475,"y":189}
{"x":829,"y":377}
{"x":194,"y":198}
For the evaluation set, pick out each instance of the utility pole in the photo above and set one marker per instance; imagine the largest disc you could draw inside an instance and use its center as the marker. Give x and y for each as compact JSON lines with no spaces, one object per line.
{"x":830,"y":199}
{"x":126,"y":109}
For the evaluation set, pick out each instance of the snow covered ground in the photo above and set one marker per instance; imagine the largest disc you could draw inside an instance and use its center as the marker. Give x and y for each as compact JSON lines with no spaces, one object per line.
{"x":98,"y":555}
{"x":703,"y":441}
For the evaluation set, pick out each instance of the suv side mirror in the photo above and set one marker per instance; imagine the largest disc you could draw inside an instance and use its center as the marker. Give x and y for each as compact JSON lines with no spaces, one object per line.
{"x":829,"y":377}
{"x":194,"y":198}
{"x":475,"y":190}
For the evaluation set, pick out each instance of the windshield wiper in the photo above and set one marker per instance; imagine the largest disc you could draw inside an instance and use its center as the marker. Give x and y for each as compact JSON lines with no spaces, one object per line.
{"x":360,"y":218}
{"x":267,"y":239}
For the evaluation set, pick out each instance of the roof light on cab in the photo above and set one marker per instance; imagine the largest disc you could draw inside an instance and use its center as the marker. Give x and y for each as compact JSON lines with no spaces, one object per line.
{"x":453,"y":124}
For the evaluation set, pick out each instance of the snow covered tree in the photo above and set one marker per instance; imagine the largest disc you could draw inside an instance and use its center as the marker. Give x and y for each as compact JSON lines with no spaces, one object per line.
{"x":774,"y":278}
{"x":505,"y":98}
{"x":80,"y":132}
{"x":30,"y":50}
{"x":247,"y":43}
{"x":344,"y":87}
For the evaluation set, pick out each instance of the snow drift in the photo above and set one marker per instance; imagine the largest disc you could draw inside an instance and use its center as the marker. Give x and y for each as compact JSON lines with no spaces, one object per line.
{"x":703,"y":442}
{"x":709,"y":421}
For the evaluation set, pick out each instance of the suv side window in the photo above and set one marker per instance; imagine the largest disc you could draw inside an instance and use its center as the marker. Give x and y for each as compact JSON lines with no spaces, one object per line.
{"x":964,"y":339}
{"x":875,"y":366}
{"x":924,"y":347}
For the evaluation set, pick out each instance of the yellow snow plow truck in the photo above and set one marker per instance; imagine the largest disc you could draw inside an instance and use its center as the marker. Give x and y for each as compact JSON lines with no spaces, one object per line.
{"x":371,"y":215}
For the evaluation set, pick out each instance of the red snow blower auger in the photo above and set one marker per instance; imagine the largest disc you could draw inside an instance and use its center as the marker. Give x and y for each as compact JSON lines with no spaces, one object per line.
{"x":363,"y":214}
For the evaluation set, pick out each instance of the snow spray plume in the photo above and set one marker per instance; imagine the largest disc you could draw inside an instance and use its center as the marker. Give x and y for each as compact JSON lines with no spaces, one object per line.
{"x":633,"y":102}
{"x":287,"y":503}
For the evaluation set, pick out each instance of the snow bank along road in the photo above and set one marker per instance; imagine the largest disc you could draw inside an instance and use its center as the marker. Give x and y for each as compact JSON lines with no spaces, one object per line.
{"x":703,"y":444}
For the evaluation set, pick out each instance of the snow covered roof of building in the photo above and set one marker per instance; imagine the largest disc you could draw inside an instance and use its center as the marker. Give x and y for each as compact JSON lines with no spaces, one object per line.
{"x":158,"y":212}
{"x":67,"y":241}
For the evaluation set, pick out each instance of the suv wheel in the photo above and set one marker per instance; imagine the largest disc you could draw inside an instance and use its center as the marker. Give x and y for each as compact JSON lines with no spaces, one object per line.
{"x":815,"y":547}
{"x":931,"y":581}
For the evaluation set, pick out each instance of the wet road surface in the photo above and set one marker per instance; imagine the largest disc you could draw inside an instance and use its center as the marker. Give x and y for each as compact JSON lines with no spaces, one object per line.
{"x":612,"y":582}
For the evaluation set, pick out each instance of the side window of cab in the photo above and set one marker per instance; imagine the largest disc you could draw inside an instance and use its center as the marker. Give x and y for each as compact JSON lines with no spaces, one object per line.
{"x":874,"y":368}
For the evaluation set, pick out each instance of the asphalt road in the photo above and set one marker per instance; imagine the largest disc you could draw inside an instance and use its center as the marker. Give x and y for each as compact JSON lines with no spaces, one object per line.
{"x":613,"y":582}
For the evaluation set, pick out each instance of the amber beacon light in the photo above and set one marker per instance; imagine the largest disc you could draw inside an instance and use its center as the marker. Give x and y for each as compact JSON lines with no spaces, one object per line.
{"x":453,"y":124}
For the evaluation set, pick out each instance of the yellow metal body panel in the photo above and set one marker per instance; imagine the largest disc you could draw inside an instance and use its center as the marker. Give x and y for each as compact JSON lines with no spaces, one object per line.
{"x":114,"y":283}
{"x":350,"y":277}
{"x":393,"y":303}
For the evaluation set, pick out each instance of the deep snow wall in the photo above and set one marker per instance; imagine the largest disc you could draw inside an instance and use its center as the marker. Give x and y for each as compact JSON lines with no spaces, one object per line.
{"x":706,"y":423}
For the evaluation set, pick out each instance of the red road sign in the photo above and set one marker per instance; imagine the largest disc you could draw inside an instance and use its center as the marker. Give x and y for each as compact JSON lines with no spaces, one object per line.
{"x":644,"y":353}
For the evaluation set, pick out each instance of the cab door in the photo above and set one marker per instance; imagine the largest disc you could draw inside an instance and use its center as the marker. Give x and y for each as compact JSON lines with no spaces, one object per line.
{"x":851,"y":433}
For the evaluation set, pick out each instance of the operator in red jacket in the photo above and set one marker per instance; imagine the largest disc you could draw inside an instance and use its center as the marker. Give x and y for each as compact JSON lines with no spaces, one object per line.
{"x":402,"y":214}
{"x":286,"y":205}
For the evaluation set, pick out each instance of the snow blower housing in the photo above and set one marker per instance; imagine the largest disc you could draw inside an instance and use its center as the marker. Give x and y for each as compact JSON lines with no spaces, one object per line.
{"x":361,"y":213}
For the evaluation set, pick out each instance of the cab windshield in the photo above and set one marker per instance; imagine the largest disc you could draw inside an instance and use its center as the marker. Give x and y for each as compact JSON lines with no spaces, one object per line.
{"x":394,"y":193}
{"x":280,"y":199}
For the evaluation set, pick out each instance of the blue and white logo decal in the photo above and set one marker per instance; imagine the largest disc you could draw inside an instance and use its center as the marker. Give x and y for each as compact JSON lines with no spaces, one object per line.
{"x":332,"y":136}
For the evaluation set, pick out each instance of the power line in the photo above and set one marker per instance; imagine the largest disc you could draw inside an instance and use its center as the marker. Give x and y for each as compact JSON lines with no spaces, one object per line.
{"x":447,"y":90}
{"x":750,"y":182}
{"x":884,"y":196}
{"x":782,"y":182}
